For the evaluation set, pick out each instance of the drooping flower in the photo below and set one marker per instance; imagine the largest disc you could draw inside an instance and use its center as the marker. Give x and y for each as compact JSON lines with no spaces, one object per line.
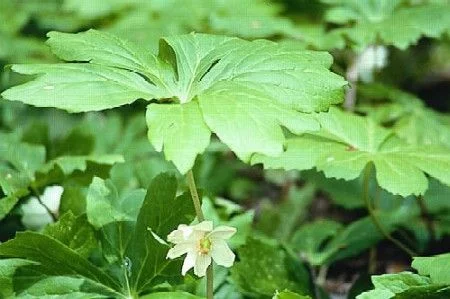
{"x":201,"y":244}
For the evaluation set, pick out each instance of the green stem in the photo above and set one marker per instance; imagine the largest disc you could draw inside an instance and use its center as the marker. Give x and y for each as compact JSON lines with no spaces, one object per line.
{"x":375,"y":220}
{"x":426,"y":217}
{"x":210,"y":282}
{"x":194,"y":195}
{"x":372,"y":269}
{"x":322,"y":275}
{"x":201,"y":217}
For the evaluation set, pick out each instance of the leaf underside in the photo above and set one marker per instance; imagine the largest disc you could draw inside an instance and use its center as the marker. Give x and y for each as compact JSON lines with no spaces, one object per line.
{"x":242,"y":91}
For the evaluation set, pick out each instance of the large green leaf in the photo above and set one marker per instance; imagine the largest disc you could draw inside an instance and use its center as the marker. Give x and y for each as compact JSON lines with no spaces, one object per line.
{"x":133,"y":256}
{"x":65,"y":287}
{"x":203,"y":80}
{"x":54,"y":257}
{"x":161,"y":212}
{"x":347,"y":143}
{"x":388,"y":21}
{"x":7,"y":269}
{"x":436,"y":267}
{"x":405,"y":285}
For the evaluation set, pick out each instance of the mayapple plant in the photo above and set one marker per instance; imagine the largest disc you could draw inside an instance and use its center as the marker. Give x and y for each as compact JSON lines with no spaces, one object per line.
{"x":245,"y":92}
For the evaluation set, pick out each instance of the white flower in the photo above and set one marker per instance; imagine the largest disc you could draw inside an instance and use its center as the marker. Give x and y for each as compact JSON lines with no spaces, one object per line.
{"x":373,"y":58}
{"x":201,"y":244}
{"x":34,"y":215}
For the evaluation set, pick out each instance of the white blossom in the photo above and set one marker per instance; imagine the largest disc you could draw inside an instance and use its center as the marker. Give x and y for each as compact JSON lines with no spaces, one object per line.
{"x":34,"y":215}
{"x":201,"y":244}
{"x":373,"y":58}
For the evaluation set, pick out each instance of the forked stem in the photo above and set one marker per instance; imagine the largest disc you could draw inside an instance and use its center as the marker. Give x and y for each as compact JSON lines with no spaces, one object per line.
{"x":375,"y":220}
{"x":201,"y":217}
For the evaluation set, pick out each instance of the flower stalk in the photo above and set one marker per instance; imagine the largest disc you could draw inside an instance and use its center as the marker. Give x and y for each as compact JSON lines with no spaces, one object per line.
{"x":201,"y":217}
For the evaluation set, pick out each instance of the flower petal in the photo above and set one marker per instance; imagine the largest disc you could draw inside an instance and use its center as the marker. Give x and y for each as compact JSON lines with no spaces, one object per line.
{"x":180,"y":234}
{"x":221,"y":253}
{"x":222,"y":232}
{"x":189,"y":261}
{"x":205,"y":226}
{"x":180,"y":249}
{"x":201,"y":264}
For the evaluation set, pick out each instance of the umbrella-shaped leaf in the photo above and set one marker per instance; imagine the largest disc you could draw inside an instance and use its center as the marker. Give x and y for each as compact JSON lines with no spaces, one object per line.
{"x":347,"y":143}
{"x":244,"y":92}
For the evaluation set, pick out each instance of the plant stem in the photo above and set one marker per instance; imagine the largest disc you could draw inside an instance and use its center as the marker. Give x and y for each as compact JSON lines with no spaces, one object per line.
{"x":322,"y":275}
{"x":375,"y":220}
{"x":201,"y":217}
{"x":194,"y":195}
{"x":372,"y":269}
{"x":352,"y":77}
{"x":427,"y":217}
{"x":210,"y":282}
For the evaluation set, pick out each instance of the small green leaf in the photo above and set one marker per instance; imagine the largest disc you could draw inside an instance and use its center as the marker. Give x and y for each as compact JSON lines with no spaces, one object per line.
{"x":7,"y":204}
{"x":104,"y":205}
{"x":262,"y":269}
{"x":289,"y":295}
{"x":241,"y":220}
{"x":171,"y":295}
{"x":18,"y":163}
{"x":323,"y":242}
{"x":69,"y":164}
{"x":309,"y":239}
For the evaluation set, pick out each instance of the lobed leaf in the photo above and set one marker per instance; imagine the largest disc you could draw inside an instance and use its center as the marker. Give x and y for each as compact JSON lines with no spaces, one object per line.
{"x":347,"y":143}
{"x":205,"y":81}
{"x":389,"y":21}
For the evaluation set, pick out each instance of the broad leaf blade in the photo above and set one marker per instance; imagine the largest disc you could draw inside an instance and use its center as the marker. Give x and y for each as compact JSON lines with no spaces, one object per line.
{"x":160,"y":213}
{"x":54,"y":257}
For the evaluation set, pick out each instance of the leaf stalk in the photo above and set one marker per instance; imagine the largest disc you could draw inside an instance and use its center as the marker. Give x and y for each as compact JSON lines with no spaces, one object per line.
{"x":376,"y":222}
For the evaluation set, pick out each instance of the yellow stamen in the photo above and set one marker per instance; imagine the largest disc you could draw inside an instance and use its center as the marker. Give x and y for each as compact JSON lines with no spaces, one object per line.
{"x":204,"y":245}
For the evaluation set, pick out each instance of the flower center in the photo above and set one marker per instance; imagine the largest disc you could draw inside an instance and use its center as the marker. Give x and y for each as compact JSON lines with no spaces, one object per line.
{"x":204,"y":245}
